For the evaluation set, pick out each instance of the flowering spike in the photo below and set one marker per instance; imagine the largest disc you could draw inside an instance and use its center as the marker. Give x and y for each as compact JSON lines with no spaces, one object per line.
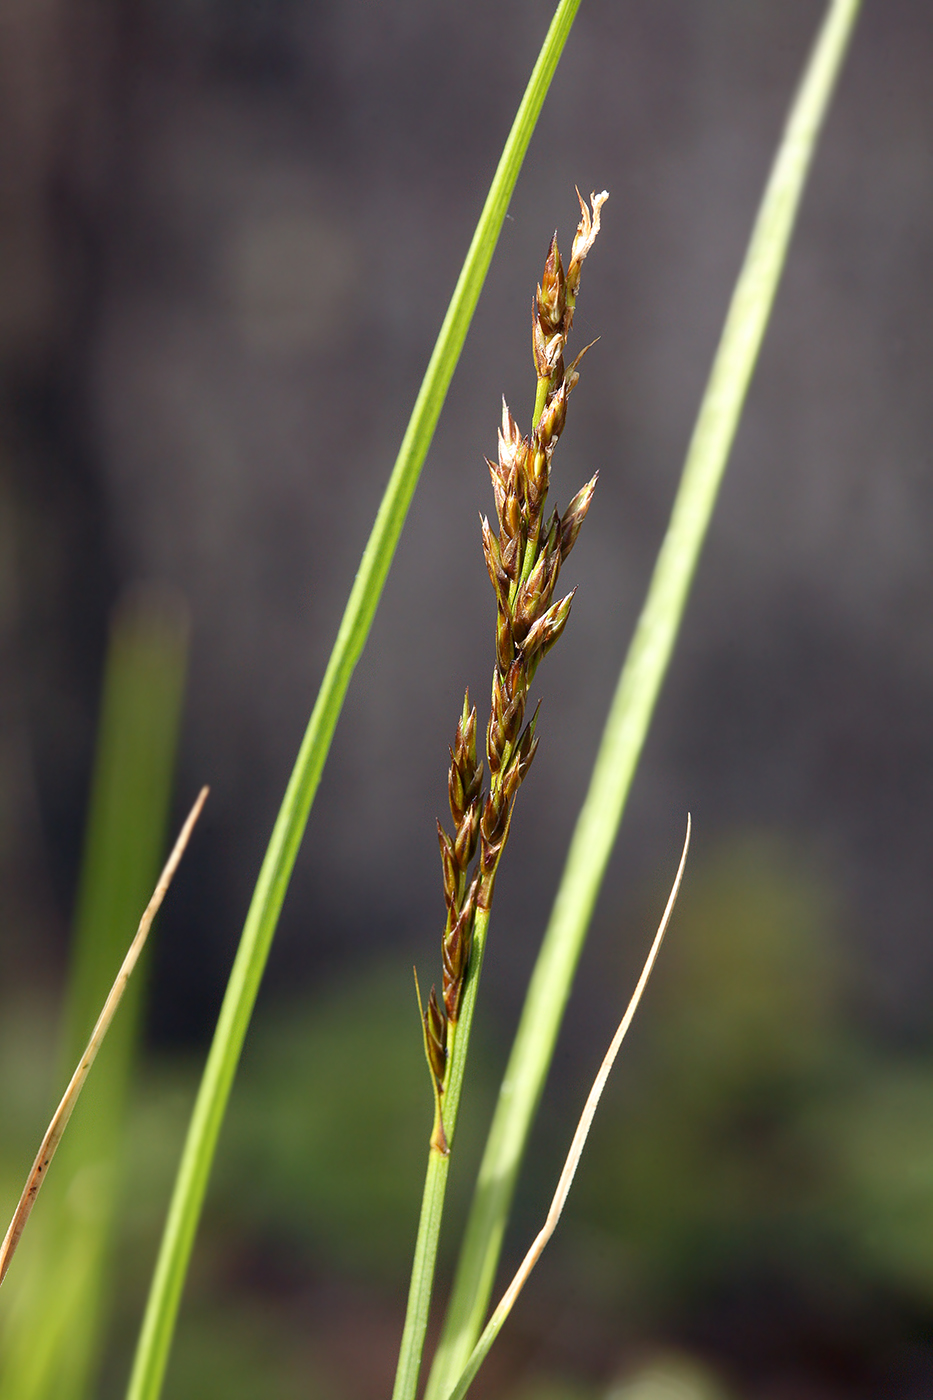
{"x":523,"y":561}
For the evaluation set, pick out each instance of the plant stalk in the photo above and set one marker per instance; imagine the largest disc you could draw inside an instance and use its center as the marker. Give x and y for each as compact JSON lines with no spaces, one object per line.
{"x":635,"y":698}
{"x":435,"y":1183}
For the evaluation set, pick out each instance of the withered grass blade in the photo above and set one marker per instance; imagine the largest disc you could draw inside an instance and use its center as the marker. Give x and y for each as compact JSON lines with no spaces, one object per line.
{"x":494,"y":1325}
{"x":65,"y":1109}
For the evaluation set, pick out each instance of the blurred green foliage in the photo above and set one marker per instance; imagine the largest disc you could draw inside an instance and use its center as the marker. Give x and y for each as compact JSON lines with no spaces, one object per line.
{"x":669,"y":1378}
{"x":54,"y":1310}
{"x":237,"y":1353}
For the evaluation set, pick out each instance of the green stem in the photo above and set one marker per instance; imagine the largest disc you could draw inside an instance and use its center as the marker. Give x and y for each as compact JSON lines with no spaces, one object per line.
{"x":634,"y":701}
{"x":191,"y":1183}
{"x":435,"y":1183}
{"x":422,"y":1274}
{"x":540,"y":399}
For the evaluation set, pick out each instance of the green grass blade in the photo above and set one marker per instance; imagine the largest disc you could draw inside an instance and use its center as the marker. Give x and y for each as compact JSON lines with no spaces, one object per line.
{"x":635,"y":697}
{"x":191,"y":1183}
{"x":53,"y":1337}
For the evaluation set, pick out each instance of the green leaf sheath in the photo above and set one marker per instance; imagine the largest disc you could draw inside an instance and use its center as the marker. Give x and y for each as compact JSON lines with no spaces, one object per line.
{"x":191,"y":1183}
{"x":634,"y":700}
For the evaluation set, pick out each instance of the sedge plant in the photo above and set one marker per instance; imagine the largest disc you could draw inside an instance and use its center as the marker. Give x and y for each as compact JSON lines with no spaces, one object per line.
{"x":461,"y":1349}
{"x":636,"y":694}
{"x":523,"y":561}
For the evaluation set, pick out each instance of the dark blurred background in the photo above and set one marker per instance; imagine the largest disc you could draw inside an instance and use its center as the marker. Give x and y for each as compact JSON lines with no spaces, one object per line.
{"x":228,"y":233}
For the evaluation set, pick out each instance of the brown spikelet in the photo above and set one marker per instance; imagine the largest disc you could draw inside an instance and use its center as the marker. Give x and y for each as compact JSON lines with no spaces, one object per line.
{"x":574,"y":515}
{"x":435,"y":1037}
{"x":455,"y":951}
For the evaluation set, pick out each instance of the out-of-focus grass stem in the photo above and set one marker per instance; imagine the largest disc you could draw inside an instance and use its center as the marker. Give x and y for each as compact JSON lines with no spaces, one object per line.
{"x":53,"y":1333}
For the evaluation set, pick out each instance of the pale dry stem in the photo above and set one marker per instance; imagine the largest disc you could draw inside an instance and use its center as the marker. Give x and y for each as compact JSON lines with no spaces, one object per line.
{"x":62,"y":1114}
{"x":579,"y":1141}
